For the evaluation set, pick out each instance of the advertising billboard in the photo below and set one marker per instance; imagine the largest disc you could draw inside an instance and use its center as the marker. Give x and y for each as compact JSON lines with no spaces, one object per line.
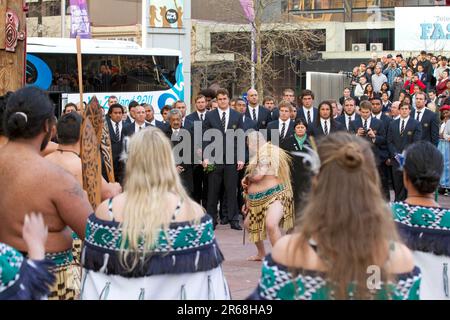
{"x":424,"y":28}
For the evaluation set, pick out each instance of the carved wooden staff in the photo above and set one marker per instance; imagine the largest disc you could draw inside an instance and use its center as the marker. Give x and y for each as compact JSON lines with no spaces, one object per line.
{"x":12,"y":45}
{"x":91,"y":132}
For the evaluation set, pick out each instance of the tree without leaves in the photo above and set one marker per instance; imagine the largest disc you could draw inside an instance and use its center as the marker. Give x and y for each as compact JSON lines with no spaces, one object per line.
{"x":273,"y":39}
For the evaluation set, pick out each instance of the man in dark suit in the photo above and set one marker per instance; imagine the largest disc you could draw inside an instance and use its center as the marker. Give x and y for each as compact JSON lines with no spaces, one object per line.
{"x":131,"y":112}
{"x":377,"y":112}
{"x":269,"y":104}
{"x":283,"y":128}
{"x":427,"y":118}
{"x":150,"y":118}
{"x":349,"y":113}
{"x":374,"y":132}
{"x":256,"y":112}
{"x":307,"y":112}
{"x":401,"y":133}
{"x":138,"y":124}
{"x":223,"y":120}
{"x":116,"y":134}
{"x":185,"y":123}
{"x":200,"y":177}
{"x":177,"y":134}
{"x":325,"y":124}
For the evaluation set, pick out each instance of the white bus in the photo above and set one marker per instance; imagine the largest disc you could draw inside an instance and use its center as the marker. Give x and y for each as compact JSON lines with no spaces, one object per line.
{"x":110,"y":67}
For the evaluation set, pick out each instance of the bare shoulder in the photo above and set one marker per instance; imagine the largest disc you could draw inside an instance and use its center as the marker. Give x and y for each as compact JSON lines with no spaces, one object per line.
{"x":102,"y":210}
{"x":283,"y":250}
{"x":190,"y":210}
{"x":401,"y":259}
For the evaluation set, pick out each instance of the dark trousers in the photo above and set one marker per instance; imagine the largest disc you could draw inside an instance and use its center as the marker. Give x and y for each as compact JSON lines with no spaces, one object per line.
{"x":227,"y":174}
{"x":384,"y":170}
{"x":200,"y":185}
{"x":397,"y":179}
{"x":187,"y":180}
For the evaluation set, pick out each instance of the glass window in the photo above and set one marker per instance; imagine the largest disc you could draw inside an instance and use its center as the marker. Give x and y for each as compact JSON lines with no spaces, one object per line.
{"x":108,"y":73}
{"x":368,"y":36}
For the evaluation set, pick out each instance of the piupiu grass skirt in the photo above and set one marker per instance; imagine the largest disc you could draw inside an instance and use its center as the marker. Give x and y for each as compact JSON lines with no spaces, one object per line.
{"x":258,"y":205}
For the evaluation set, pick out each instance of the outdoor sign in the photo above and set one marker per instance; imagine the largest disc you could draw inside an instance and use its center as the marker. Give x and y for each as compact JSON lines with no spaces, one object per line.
{"x":165,"y":13}
{"x":424,"y":28}
{"x":79,"y":24}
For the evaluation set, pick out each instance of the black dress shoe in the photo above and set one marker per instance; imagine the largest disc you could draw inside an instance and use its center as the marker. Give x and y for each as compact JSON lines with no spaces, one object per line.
{"x":235,"y":225}
{"x":224,"y":221}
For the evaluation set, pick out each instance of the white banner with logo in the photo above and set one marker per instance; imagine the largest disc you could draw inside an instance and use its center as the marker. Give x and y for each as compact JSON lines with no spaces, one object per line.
{"x":422,"y":28}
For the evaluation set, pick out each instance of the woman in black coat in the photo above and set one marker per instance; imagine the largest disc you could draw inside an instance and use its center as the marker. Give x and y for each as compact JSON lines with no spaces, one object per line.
{"x":299,"y":146}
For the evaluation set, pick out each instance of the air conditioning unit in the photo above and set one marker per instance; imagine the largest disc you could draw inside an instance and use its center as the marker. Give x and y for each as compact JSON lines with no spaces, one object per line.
{"x":376,"y":47}
{"x":358,"y":47}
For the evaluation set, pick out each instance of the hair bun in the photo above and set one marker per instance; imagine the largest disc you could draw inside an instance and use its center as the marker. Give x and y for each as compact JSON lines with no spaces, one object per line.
{"x":350,"y":156}
{"x":17,"y":122}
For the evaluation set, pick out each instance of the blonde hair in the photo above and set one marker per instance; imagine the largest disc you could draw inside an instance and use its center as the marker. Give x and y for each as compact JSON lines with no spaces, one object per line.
{"x":150,"y":176}
{"x":276,"y":158}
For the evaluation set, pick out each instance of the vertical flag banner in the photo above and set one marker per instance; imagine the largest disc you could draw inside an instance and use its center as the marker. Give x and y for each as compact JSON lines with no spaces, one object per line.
{"x":80,"y":24}
{"x":165,"y":13}
{"x":247,"y":6}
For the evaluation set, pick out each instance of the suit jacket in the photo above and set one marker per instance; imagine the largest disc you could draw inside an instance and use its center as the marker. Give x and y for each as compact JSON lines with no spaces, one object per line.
{"x":275,"y":114}
{"x":274,"y":125}
{"x":129,"y":129}
{"x":379,"y":145}
{"x":430,"y":125}
{"x":116,"y":147}
{"x":187,"y":175}
{"x":387,"y":107}
{"x":304,"y":117}
{"x":342,"y":119}
{"x":263,"y":117}
{"x":248,"y":124}
{"x":213,"y":121}
{"x":128,"y":120}
{"x":396,"y":142}
{"x":317,"y":130}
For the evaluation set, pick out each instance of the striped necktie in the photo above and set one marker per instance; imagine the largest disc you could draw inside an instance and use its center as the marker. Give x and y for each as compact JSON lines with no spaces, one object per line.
{"x":403,"y":127}
{"x":325,"y":130}
{"x":283,"y":130}
{"x":223,"y":120}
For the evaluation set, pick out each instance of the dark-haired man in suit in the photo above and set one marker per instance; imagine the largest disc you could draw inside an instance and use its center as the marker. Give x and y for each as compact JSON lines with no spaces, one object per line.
{"x":284,"y":126}
{"x":307,"y":112}
{"x":374,"y":132}
{"x":427,"y":119}
{"x":200,"y":177}
{"x":223,"y":120}
{"x":402,"y":132}
{"x":150,"y":118}
{"x":325,"y":124}
{"x":116,"y":134}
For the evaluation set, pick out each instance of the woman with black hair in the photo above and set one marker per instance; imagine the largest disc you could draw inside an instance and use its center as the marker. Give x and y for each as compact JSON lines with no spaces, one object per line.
{"x":422,"y":223}
{"x":299,"y":147}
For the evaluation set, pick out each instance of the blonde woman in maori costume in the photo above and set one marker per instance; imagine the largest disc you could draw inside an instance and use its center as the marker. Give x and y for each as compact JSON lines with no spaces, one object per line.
{"x":268,"y":193}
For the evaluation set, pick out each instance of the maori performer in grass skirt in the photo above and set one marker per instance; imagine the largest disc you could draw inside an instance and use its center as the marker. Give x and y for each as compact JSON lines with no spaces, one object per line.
{"x":268,"y":193}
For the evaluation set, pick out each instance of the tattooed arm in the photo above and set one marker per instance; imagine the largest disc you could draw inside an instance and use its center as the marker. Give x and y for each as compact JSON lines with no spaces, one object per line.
{"x":72,"y":203}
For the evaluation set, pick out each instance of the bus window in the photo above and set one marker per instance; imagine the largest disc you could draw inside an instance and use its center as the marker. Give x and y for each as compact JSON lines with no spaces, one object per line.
{"x":105,"y":73}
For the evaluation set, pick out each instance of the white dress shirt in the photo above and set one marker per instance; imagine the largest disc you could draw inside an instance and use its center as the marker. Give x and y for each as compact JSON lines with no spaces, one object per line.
{"x":420,"y":114}
{"x":227,"y":116}
{"x":347,"y":117}
{"x":114,"y":127}
{"x":280,"y":126}
{"x":250,"y":109}
{"x":377,"y":116}
{"x":311,"y":112}
{"x":322,"y":122}
{"x":200,"y":115}
{"x":400,"y":124}
{"x":369,"y":121}
{"x":136,"y":127}
{"x":397,"y":117}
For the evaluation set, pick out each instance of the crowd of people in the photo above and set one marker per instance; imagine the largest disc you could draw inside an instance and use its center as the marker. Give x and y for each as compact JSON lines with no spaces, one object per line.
{"x":315,"y":179}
